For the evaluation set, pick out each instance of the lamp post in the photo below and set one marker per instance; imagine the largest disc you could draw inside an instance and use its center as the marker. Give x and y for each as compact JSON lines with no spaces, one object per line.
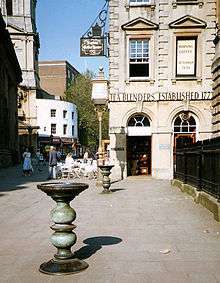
{"x":99,"y":98}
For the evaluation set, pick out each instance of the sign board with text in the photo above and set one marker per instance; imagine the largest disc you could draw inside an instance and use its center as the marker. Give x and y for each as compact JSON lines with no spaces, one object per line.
{"x":186,"y":57}
{"x":161,"y":96}
{"x":91,"y":46}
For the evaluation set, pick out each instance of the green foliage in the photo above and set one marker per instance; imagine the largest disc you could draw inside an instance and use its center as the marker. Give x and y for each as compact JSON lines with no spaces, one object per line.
{"x":79,"y":93}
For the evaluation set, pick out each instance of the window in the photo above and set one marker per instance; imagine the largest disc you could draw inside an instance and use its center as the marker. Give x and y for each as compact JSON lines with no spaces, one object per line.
{"x":64,"y":113}
{"x":185,"y":123}
{"x":53,"y":129}
{"x":72,"y":115}
{"x":53,"y":113}
{"x":186,"y":56}
{"x":139,"y":58}
{"x":138,"y":121}
{"x":9,"y":7}
{"x":73,"y":131}
{"x":64,"y":129}
{"x":139,"y":2}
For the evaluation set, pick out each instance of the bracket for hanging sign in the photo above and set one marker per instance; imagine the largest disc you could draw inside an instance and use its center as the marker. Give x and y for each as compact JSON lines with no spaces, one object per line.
{"x":95,"y":41}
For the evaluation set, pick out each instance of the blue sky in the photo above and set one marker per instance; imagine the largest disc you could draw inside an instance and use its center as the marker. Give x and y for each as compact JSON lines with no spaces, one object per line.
{"x":61,"y":23}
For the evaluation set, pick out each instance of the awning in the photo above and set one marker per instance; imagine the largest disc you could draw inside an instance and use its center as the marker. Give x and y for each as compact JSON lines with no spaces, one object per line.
{"x":67,"y":140}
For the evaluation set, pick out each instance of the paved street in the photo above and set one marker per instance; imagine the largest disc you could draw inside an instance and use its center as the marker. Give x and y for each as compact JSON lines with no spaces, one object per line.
{"x":145,"y":231}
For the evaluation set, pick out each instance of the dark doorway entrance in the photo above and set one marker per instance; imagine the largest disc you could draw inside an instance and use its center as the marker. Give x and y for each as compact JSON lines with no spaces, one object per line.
{"x":138,"y":155}
{"x":183,"y":140}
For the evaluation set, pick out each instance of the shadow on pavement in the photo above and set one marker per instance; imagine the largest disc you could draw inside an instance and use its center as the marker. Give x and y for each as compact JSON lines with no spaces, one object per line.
{"x":116,"y":190}
{"x":12,"y":179}
{"x":94,"y":244}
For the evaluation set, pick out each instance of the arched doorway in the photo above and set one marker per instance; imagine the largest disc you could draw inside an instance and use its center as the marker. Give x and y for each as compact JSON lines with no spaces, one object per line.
{"x":184,"y":129}
{"x":138,"y":145}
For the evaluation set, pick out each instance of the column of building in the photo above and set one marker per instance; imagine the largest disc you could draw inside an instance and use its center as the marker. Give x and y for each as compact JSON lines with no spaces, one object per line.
{"x":216,"y":79}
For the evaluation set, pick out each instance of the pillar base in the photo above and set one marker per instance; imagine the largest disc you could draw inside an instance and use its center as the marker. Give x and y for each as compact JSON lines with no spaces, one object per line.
{"x":106,"y":192}
{"x":63,"y":267}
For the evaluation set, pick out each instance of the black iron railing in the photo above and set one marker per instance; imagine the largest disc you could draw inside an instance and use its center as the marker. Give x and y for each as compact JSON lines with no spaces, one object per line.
{"x":199,"y":165}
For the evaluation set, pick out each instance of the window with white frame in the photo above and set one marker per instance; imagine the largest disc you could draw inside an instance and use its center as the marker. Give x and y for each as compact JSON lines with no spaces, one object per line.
{"x":53,"y":113}
{"x":64,"y":129}
{"x":139,"y":58}
{"x":53,"y":129}
{"x":185,"y":123}
{"x":64,"y":114}
{"x":139,"y":2}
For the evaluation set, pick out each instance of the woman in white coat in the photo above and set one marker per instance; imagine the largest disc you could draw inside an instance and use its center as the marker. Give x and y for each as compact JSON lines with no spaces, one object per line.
{"x":27,"y":166}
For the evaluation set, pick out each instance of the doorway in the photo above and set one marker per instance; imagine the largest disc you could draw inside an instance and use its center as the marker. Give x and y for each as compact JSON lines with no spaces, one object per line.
{"x":183,"y":140}
{"x":138,"y":155}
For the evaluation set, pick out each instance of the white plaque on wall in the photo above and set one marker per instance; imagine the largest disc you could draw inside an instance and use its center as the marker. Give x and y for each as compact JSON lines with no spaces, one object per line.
{"x":186,"y":57}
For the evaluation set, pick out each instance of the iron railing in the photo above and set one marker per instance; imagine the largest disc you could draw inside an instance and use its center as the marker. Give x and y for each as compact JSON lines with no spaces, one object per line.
{"x":199,"y":165}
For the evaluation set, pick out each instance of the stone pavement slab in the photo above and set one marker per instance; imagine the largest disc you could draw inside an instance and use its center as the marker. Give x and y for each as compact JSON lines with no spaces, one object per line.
{"x":145,"y":231}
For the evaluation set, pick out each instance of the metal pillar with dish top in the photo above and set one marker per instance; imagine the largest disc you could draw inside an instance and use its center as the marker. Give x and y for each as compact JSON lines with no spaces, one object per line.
{"x":106,"y":183}
{"x":63,"y":238}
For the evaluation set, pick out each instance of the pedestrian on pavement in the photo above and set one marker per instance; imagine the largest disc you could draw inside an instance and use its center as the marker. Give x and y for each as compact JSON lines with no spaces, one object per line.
{"x":27,"y":166}
{"x":40,"y":160}
{"x":59,"y":154}
{"x":52,"y":163}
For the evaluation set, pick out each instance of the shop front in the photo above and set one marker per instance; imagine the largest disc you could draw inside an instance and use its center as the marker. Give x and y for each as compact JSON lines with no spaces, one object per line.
{"x":144,"y":135}
{"x":138,"y":145}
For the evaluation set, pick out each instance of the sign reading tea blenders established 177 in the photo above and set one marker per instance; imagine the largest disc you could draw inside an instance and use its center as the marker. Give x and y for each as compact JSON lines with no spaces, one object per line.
{"x":161,"y":96}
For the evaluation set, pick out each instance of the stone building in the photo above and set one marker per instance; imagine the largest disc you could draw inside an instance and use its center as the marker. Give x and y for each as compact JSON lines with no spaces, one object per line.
{"x":20,"y":19}
{"x":160,"y":55}
{"x":10,"y":77}
{"x":56,"y":76}
{"x":216,"y":79}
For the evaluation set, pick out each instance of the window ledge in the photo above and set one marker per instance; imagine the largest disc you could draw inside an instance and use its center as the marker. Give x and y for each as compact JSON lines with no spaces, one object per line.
{"x":139,"y":79}
{"x":185,"y":78}
{"x":152,"y":6}
{"x":192,"y":2}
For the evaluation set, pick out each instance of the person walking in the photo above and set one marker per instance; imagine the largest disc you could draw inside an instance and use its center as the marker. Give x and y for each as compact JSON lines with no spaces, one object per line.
{"x":52,"y":163}
{"x":27,"y":166}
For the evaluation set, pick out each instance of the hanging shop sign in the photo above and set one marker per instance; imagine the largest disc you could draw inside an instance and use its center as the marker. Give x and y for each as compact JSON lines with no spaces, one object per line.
{"x":95,"y":41}
{"x":186,"y":57}
{"x":92,"y":46}
{"x":161,"y":96}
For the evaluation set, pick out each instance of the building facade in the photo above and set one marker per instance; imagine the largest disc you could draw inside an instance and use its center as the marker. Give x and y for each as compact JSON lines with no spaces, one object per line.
{"x":10,"y":77}
{"x":160,"y":55}
{"x":20,"y":19}
{"x":58,"y":122}
{"x":216,"y":79}
{"x":56,"y":76}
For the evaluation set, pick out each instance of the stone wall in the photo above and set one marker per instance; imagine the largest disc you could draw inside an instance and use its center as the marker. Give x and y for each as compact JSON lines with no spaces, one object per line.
{"x":10,"y":77}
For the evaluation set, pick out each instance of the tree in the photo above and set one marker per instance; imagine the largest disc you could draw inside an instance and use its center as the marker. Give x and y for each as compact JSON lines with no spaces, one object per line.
{"x":79,"y":93}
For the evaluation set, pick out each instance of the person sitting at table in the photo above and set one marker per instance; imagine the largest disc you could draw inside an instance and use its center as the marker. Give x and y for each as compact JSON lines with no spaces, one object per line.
{"x":69,"y":160}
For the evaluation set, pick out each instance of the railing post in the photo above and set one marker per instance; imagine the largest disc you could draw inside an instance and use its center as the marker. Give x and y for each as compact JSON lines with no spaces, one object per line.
{"x":199,"y":166}
{"x":185,"y":166}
